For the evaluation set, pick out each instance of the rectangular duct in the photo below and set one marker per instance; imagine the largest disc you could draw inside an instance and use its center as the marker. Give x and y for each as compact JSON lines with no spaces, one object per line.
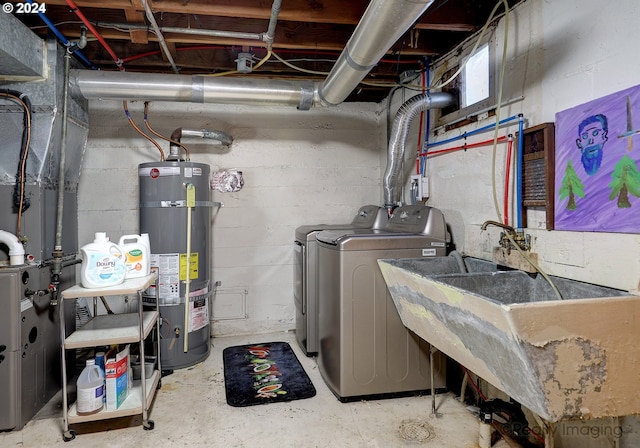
{"x":22,"y":53}
{"x":43,"y":161}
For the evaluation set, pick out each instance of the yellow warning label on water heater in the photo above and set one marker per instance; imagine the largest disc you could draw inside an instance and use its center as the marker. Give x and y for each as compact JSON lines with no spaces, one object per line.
{"x":193,"y":262}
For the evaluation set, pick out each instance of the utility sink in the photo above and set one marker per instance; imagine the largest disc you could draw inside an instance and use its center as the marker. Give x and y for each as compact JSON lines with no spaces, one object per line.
{"x":578,"y":357}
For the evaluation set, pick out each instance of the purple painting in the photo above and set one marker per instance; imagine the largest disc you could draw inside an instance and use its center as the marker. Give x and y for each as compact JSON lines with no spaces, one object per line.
{"x":597,"y":183}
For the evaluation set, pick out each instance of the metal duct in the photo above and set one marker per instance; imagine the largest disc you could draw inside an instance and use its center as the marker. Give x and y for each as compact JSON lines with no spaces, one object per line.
{"x":194,"y":89}
{"x":397,"y":142}
{"x":219,"y":137}
{"x":381,"y":26}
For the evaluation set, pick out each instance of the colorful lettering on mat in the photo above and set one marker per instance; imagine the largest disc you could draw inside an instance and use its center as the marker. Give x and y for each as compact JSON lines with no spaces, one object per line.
{"x":266,"y":376}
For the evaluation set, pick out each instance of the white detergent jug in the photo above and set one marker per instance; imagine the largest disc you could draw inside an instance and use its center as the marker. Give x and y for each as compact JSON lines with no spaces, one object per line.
{"x":136,"y":250}
{"x":90,"y":389}
{"x":102,"y":263}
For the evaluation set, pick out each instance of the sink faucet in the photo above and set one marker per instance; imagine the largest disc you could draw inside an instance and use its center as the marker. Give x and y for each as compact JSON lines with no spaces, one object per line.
{"x":509,"y":229}
{"x":517,"y":237}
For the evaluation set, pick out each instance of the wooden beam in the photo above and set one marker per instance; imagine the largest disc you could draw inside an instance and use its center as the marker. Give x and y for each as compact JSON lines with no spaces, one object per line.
{"x":327,"y":11}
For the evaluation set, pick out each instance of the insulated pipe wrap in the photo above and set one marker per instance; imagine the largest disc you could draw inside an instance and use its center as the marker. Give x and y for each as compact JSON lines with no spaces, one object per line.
{"x":398,"y":139}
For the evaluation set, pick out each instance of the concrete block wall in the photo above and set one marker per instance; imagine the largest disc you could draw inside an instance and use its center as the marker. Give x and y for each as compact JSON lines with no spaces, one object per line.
{"x":299,"y":167}
{"x":560,"y":54}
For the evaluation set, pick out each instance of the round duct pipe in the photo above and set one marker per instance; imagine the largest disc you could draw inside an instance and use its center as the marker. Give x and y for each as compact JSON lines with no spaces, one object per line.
{"x":192,"y":89}
{"x":381,"y":26}
{"x":401,"y":124}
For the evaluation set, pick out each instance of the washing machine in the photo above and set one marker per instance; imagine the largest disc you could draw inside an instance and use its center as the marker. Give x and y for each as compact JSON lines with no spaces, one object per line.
{"x":364,"y":349}
{"x":306,"y":271}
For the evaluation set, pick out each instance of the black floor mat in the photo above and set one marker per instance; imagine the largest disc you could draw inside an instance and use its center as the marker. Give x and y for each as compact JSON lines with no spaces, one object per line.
{"x":264,"y":373}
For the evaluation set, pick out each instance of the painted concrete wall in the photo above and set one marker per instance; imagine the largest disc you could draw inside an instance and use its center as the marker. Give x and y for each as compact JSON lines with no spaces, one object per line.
{"x":321,"y":165}
{"x":299,"y":168}
{"x":560,"y":54}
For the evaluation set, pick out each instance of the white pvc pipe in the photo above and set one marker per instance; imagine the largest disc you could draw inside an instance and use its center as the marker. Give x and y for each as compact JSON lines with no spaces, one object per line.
{"x":16,"y":250}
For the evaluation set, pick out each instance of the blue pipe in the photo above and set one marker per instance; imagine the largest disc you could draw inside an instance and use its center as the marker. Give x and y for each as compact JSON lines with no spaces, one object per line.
{"x":63,"y":39}
{"x":519,"y":171}
{"x":475,"y":131}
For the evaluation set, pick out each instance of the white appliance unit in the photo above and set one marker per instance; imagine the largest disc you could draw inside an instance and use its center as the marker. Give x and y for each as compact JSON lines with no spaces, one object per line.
{"x":306,"y":271}
{"x":364,"y":349}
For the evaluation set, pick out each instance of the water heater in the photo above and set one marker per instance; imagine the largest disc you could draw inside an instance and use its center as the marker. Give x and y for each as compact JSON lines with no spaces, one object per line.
{"x":175,"y":211}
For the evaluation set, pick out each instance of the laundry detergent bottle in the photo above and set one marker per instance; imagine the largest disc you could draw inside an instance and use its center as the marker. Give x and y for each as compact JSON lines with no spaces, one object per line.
{"x":103,"y":263}
{"x":136,"y":250}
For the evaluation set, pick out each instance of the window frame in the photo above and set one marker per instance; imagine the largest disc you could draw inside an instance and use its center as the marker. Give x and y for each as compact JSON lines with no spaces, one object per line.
{"x":455,"y":59}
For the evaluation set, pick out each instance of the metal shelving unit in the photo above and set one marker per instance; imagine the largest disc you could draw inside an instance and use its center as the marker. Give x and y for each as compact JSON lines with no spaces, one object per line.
{"x":127,"y":328}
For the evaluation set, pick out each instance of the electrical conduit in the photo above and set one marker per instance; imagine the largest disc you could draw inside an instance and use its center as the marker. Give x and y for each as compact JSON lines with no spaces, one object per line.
{"x":156,"y":29}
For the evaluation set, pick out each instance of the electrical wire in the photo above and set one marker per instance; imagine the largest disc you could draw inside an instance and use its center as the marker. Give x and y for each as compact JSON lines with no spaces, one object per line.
{"x":499,"y":103}
{"x":232,"y":72}
{"x":126,"y":111}
{"x":494,"y":152}
{"x":475,"y":47}
{"x":20,"y":202}
{"x":157,"y":134}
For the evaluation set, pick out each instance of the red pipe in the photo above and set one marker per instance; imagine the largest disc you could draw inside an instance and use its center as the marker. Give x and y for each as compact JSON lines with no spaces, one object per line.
{"x":465,"y":146}
{"x":81,"y":16}
{"x":506,"y":180}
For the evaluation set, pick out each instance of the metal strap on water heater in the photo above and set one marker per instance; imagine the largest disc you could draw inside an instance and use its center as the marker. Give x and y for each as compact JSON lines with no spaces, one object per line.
{"x":178,"y":204}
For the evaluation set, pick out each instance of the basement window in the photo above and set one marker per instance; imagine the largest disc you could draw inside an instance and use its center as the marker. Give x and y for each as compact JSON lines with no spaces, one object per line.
{"x":476,"y":77}
{"x":472,"y":88}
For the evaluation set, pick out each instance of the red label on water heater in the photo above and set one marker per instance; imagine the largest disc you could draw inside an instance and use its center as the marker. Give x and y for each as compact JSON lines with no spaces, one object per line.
{"x":159,"y":171}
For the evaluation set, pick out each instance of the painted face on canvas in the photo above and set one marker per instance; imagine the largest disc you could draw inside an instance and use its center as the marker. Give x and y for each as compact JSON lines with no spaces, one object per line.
{"x":592,"y":134}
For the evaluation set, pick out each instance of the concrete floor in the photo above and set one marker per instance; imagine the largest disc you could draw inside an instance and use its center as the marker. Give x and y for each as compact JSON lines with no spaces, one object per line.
{"x":191,"y":410}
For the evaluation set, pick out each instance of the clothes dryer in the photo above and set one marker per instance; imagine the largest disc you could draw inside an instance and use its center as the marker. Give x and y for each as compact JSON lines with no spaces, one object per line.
{"x":306,"y":271}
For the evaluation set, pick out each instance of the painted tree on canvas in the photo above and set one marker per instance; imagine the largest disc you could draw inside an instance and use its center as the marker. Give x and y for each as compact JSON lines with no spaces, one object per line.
{"x":626,"y":180}
{"x":571,"y":187}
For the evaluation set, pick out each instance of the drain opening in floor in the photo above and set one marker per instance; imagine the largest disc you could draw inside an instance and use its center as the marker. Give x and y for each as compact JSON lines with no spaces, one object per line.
{"x":416,"y":431}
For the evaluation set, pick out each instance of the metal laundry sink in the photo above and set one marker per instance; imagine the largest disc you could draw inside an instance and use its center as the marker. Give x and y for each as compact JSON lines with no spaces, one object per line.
{"x":563,"y":359}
